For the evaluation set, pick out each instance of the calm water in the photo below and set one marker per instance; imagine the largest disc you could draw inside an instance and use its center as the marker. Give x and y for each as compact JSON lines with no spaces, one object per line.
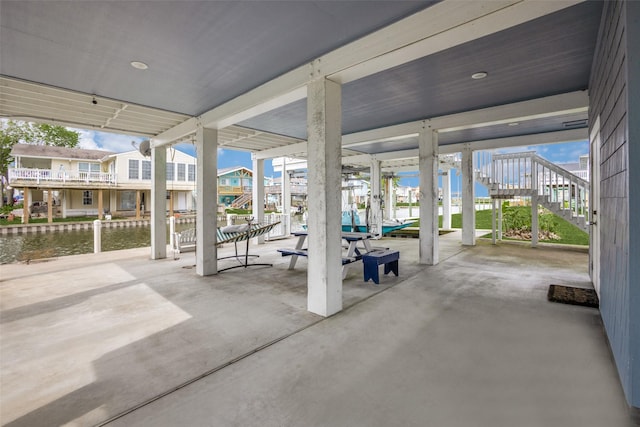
{"x":53,"y":244}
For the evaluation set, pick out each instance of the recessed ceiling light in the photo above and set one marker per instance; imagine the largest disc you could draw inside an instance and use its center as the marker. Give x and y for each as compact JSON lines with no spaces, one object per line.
{"x":514,"y":124}
{"x":139,"y":65}
{"x":479,"y":75}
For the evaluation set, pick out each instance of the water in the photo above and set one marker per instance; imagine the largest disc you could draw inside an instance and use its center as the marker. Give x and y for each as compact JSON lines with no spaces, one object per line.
{"x":21,"y":247}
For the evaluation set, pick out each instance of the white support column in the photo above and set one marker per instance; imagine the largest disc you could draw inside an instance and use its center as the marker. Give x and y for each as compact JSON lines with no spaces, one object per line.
{"x":468,"y":198}
{"x":494,"y":231}
{"x":428,"y":163}
{"x":158,"y":203}
{"x":257,"y":203}
{"x":389,"y":199}
{"x":207,"y":201}
{"x":534,"y":221}
{"x":286,"y":197}
{"x":324,"y":129}
{"x":64,"y":203}
{"x":376,"y":198}
{"x":446,"y":200}
{"x":500,"y":219}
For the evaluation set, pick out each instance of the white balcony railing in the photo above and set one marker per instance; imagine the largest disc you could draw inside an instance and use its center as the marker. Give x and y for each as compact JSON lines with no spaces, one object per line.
{"x":39,"y":176}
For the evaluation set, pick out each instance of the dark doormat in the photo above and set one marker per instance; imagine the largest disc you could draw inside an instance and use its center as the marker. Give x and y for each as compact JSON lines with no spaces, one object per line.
{"x":571,"y":295}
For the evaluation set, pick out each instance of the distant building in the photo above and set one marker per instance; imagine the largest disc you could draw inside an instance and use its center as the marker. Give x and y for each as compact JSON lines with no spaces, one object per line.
{"x":83,"y":182}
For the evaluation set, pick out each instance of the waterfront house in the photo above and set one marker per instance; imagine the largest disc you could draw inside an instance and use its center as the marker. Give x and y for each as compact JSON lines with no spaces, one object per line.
{"x":79,"y":182}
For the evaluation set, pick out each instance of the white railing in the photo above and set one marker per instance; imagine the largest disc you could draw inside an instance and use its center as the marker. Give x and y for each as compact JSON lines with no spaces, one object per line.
{"x":532,"y":174}
{"x":47,"y":175}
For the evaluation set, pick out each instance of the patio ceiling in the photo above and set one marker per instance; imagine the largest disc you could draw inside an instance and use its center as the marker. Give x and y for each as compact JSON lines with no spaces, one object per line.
{"x":242,"y":67}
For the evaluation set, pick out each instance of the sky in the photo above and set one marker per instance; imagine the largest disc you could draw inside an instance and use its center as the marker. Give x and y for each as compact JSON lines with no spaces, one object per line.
{"x":557,"y":153}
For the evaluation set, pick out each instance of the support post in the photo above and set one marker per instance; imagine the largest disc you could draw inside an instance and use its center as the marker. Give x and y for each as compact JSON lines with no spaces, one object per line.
{"x":500,"y":219}
{"x":50,"y":206}
{"x":158,"y":203}
{"x":26,"y":201}
{"x":376,"y":198}
{"x":468,"y":198}
{"x":446,"y":200}
{"x":389,"y":202}
{"x":64,"y":203}
{"x":207,"y":201}
{"x":97,"y":236}
{"x":170,"y":203}
{"x":324,"y":130}
{"x":534,"y":221}
{"x":137,"y":204}
{"x":100,"y":204}
{"x":493,"y":221}
{"x":286,"y":197}
{"x":257,"y":189}
{"x":428,"y":163}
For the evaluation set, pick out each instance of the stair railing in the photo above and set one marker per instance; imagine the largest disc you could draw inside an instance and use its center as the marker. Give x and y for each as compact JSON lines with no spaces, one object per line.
{"x":526,"y":172}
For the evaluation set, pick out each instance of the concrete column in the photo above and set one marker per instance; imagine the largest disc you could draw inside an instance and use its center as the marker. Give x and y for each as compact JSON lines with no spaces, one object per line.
{"x":158,"y":203}
{"x":468,"y":198}
{"x":50,"y":206}
{"x":499,"y":219}
{"x":324,"y":130}
{"x":534,"y":221}
{"x":137,"y":204}
{"x":376,"y":198}
{"x":428,"y":163}
{"x":207,"y":201}
{"x":100,"y":204}
{"x":64,"y":203}
{"x":389,"y":199}
{"x":257,"y":202}
{"x":286,"y":197}
{"x":493,"y":221}
{"x":26,"y":193}
{"x":113,"y":201}
{"x":446,"y":200}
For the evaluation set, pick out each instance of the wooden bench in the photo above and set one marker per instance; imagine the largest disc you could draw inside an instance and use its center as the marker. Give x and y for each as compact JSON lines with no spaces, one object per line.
{"x":304,"y":253}
{"x":373,"y":259}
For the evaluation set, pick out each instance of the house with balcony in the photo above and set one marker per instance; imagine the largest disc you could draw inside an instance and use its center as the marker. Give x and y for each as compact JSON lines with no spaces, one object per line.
{"x":79,"y":182}
{"x":235,"y":186}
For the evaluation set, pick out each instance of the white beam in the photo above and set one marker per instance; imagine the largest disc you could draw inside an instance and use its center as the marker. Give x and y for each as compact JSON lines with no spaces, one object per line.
{"x":549,"y":106}
{"x":285,"y":151}
{"x":570,"y":135}
{"x":442,"y":26}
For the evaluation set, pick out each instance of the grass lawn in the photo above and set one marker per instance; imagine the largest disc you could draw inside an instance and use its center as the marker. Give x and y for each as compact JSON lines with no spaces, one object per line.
{"x":569,"y":234}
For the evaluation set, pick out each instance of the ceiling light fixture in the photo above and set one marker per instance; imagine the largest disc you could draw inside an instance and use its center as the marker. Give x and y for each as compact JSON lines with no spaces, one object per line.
{"x":139,"y":65}
{"x":479,"y":75}
{"x":514,"y":124}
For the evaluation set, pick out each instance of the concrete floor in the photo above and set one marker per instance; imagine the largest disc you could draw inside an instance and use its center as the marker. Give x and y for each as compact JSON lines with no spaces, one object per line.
{"x":470,"y":342}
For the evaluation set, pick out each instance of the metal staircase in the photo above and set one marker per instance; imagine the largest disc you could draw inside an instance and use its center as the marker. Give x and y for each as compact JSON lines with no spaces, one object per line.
{"x":528,"y":175}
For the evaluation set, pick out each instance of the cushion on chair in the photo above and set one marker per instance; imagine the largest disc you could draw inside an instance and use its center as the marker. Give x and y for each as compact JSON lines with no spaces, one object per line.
{"x":235,"y":228}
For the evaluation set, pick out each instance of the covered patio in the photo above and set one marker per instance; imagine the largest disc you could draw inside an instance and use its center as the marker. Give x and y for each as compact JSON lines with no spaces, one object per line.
{"x":112,"y":339}
{"x":351,"y":83}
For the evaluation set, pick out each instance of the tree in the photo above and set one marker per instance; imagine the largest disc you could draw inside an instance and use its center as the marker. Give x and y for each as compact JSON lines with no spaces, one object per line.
{"x":12,"y":133}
